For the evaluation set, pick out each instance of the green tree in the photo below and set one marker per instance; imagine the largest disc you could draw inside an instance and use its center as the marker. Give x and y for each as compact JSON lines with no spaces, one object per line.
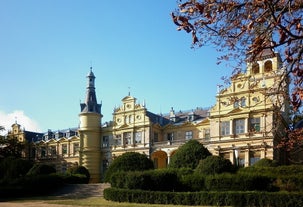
{"x":10,"y":147}
{"x":129,"y":161}
{"x":214,"y":165}
{"x":189,"y":155}
{"x":247,"y":28}
{"x":244,"y":31}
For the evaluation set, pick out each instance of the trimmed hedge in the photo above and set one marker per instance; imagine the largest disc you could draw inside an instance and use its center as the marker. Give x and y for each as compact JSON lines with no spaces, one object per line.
{"x":238,"y":182}
{"x":227,"y":198}
{"x":156,"y":180}
{"x":172,"y":180}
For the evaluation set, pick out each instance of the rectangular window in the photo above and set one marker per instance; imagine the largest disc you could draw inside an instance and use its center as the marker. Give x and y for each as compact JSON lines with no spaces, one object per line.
{"x":239,"y":126}
{"x":43,"y":152}
{"x":118,"y":140}
{"x":76,"y":147}
{"x":156,"y":137}
{"x":254,"y":125}
{"x":64,"y":149}
{"x":105,"y":141}
{"x":188,"y":135}
{"x":170,"y":136}
{"x":52,"y":151}
{"x":207,"y":133}
{"x":138,"y":137}
{"x":225,"y":128}
{"x":127,"y":138}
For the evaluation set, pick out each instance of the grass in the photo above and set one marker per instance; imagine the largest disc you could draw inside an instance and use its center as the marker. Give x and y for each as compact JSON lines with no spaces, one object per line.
{"x":98,"y":201}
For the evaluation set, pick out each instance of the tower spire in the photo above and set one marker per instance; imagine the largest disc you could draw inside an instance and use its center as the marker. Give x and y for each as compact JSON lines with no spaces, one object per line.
{"x":90,"y":104}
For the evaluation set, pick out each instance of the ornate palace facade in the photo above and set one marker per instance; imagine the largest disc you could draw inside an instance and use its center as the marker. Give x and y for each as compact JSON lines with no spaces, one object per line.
{"x":245,"y":125}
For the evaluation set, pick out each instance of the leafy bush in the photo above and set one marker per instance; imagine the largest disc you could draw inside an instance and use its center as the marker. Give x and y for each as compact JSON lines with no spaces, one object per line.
{"x":189,"y":155}
{"x":265,"y":162}
{"x":214,"y":165}
{"x":74,"y":179}
{"x":129,"y":161}
{"x":79,"y":170}
{"x":41,"y":169}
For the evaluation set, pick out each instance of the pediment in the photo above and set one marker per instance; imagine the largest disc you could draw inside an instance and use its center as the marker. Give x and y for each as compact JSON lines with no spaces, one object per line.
{"x":128,"y":98}
{"x":74,"y":138}
{"x":235,"y":110}
{"x":52,"y":141}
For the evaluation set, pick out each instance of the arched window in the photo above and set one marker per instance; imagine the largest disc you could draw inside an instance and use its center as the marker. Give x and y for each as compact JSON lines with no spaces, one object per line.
{"x":255,"y":68}
{"x":268,"y":66}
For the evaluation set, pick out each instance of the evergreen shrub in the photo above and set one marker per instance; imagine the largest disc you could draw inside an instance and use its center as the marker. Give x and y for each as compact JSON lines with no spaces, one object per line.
{"x":189,"y":155}
{"x":214,"y":165}
{"x":129,"y":161}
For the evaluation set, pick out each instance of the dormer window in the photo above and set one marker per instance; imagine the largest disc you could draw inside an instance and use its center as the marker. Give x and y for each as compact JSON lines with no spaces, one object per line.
{"x":255,"y":68}
{"x":268,"y":66}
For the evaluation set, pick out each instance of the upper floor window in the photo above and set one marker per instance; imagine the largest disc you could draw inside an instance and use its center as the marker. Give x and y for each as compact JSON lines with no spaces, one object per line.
{"x":156,"y":137}
{"x":170,"y":136}
{"x":225,"y":128}
{"x":207,"y":133}
{"x":43,"y":152}
{"x":239,"y":126}
{"x":254,"y":124}
{"x":268,"y":66}
{"x":138,"y":137}
{"x":255,"y":68}
{"x":236,"y":104}
{"x":127,"y":138}
{"x":76,"y":149}
{"x":64,"y":149}
{"x":105,"y":141}
{"x":188,"y":135}
{"x":118,"y":139}
{"x":243,"y":102}
{"x":52,"y":151}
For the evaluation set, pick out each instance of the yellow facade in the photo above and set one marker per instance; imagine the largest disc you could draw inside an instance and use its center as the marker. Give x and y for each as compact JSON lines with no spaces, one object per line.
{"x":244,"y":125}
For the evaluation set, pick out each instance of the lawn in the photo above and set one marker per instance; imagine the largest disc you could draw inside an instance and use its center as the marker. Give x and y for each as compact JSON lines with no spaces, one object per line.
{"x":98,"y":201}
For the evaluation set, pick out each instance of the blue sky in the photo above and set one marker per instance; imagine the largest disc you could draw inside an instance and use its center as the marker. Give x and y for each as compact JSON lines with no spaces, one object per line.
{"x":47,"y":48}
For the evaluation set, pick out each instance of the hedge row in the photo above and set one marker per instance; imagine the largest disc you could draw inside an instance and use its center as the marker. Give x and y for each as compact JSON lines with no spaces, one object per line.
{"x":227,"y":198}
{"x":274,"y":171}
{"x":170,"y":180}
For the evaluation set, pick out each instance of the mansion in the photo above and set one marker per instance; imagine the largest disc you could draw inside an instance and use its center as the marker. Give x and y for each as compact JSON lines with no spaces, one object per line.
{"x":244,"y":125}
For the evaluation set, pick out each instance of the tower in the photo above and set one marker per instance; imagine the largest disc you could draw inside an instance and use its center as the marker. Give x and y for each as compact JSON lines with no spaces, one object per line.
{"x":90,"y":131}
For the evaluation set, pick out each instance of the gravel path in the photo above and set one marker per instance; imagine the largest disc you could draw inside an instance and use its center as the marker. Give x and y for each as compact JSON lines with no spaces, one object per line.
{"x":67,"y":192}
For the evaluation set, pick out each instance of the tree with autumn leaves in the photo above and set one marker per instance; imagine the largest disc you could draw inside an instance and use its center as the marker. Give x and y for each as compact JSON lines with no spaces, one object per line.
{"x":243,"y":30}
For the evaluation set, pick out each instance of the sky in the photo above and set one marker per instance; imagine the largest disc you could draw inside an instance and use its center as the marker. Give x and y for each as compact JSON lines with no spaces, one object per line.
{"x":47,"y":48}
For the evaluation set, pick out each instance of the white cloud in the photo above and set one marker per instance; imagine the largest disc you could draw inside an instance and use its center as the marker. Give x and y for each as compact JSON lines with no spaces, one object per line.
{"x":8,"y":119}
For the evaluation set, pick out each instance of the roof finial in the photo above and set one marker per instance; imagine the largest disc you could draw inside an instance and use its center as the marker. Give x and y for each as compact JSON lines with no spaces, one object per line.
{"x":128,"y":91}
{"x":91,"y":66}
